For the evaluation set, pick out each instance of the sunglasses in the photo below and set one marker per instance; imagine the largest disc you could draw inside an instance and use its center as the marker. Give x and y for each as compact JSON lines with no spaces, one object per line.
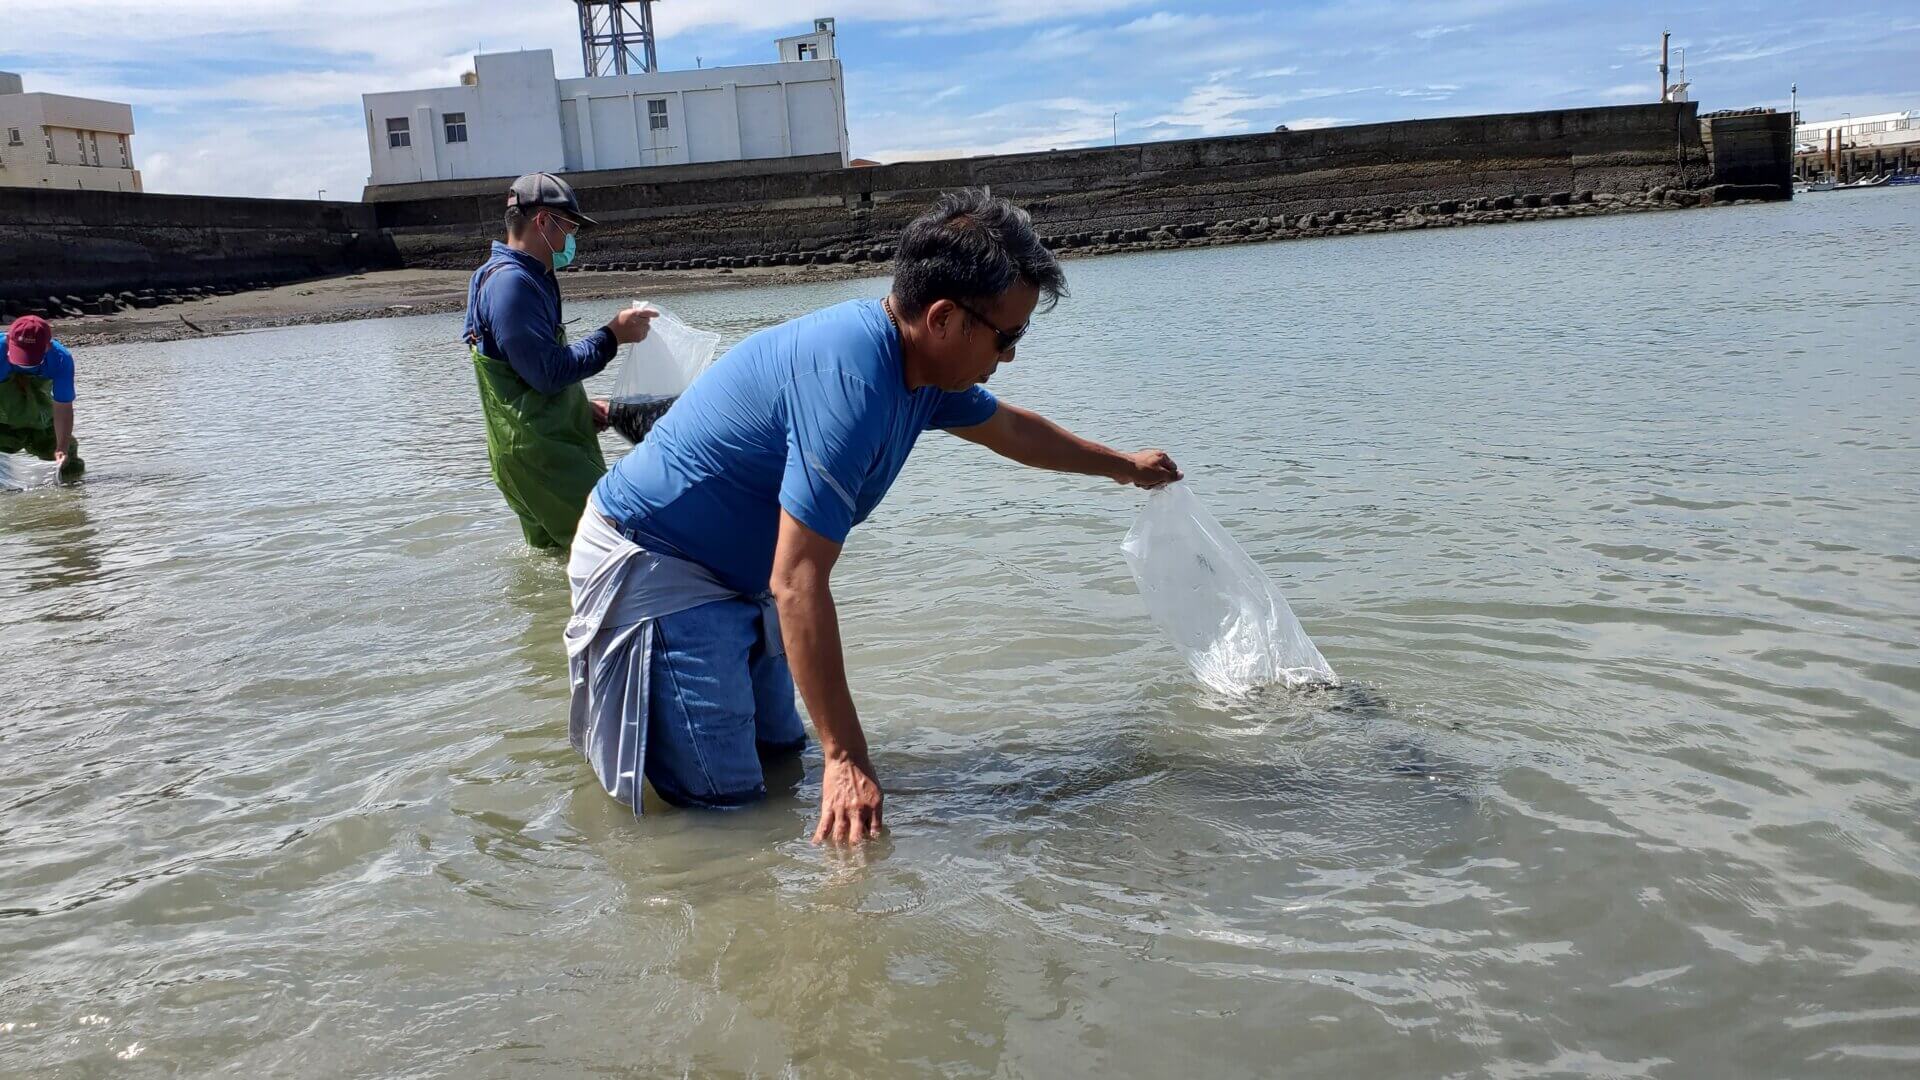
{"x":1006,"y":339}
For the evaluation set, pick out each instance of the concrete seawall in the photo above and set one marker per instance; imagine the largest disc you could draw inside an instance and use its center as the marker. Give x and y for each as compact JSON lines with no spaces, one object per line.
{"x":1617,"y":150}
{"x":91,"y":244}
{"x":78,"y":247}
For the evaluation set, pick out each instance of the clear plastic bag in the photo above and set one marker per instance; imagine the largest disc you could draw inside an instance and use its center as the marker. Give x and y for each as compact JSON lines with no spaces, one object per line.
{"x":661,"y":366}
{"x":1223,"y":613}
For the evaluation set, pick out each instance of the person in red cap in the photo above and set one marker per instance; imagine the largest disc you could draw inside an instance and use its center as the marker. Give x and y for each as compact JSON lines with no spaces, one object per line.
{"x":36,"y":397}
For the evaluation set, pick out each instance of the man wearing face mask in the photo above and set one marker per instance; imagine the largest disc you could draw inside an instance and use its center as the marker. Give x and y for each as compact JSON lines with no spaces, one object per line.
{"x":542,"y":436}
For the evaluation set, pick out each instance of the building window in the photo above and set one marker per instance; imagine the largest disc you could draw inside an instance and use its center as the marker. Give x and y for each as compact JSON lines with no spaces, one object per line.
{"x":809,"y":52}
{"x":456,"y":127}
{"x":126,"y":154}
{"x":657,"y":114}
{"x":398,"y":135}
{"x":51,"y":160}
{"x":80,"y":143}
{"x":93,"y":146}
{"x":13,"y":137}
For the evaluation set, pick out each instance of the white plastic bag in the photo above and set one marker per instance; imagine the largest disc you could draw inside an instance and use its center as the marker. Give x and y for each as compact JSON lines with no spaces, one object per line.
{"x":1222,"y":612}
{"x":661,"y":366}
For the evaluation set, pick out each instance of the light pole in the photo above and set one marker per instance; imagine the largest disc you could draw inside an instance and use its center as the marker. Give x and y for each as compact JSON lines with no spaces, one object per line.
{"x":322,"y":196}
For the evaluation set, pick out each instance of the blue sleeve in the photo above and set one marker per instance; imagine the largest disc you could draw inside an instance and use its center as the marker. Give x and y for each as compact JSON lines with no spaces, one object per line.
{"x":521,"y":318}
{"x":975,"y":405}
{"x":835,"y":425}
{"x":58,"y":367}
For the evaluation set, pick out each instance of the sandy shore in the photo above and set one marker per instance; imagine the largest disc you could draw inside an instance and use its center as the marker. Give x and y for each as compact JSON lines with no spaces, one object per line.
{"x":392,"y":293}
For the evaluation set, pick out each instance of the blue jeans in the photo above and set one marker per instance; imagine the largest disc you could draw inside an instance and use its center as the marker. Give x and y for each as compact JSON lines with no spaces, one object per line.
{"x":717,"y":703}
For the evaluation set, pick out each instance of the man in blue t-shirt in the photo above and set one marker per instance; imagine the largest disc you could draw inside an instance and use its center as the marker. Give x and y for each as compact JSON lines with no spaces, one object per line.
{"x":751,"y":483}
{"x":36,"y":397}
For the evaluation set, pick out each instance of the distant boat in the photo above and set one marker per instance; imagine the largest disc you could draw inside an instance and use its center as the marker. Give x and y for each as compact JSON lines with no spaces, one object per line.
{"x":1865,"y":182}
{"x":1904,"y":180}
{"x":1824,"y":184}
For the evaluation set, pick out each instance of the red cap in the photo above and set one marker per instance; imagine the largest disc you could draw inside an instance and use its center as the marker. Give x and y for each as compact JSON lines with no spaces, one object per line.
{"x":27,"y":340}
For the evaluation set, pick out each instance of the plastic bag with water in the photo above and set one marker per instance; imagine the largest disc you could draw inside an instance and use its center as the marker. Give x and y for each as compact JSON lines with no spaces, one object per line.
{"x":1222,"y":611}
{"x":656,"y":371}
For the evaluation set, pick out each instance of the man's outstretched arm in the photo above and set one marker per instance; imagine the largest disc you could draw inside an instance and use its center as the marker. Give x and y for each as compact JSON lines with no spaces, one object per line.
{"x":1031,"y":439}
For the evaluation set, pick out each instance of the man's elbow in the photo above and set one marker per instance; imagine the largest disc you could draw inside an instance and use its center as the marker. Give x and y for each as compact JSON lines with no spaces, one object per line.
{"x":796,"y":585}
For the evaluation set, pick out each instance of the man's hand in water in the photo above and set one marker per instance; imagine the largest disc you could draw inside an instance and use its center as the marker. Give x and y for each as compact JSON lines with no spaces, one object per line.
{"x":60,"y":459}
{"x":850,"y":800}
{"x":1150,"y":469}
{"x":599,"y":407}
{"x":631,"y":325}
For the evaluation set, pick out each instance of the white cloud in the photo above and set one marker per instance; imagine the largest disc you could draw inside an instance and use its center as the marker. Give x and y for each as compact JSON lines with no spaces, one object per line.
{"x":1311,"y":123}
{"x":279,"y":157}
{"x":1018,"y":128}
{"x":1216,"y":108}
{"x":1648,"y":90}
{"x":1432,"y":32}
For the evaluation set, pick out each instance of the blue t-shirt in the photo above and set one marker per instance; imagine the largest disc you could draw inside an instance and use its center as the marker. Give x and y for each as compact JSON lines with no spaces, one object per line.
{"x":812,"y":416}
{"x":56,"y":367}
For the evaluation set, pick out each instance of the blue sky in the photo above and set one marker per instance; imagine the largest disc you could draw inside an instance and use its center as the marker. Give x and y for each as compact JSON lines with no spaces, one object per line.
{"x":262,"y":98}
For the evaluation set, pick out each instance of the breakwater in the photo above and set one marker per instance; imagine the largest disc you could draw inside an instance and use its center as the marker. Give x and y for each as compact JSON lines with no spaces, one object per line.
{"x":70,"y":253}
{"x":1411,"y":174}
{"x":1367,"y":178}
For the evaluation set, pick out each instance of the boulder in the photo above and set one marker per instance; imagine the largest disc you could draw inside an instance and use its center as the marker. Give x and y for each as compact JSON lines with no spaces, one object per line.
{"x":1726,"y":193}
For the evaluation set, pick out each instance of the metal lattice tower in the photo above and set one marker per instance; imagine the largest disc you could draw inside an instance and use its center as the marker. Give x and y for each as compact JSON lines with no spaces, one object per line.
{"x":616,"y":37}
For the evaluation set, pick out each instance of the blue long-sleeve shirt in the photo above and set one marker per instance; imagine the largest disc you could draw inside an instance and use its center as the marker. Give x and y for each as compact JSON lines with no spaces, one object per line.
{"x":513,"y":314}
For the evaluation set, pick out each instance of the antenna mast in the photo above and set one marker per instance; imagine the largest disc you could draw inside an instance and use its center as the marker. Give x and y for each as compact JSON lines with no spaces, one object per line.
{"x":616,"y":37}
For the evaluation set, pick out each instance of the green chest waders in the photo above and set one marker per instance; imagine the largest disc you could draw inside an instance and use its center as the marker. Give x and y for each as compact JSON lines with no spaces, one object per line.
{"x":26,"y":421}
{"x":545,"y":455}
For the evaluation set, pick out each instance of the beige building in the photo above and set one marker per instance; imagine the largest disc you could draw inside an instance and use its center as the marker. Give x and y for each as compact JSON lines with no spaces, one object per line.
{"x":52,"y":140}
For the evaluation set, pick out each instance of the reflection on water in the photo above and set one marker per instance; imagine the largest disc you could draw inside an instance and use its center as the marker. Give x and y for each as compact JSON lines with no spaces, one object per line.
{"x":1619,"y":567}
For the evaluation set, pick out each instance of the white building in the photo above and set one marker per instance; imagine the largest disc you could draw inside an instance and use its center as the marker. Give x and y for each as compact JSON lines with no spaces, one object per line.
{"x":52,"y":140}
{"x":510,"y":116}
{"x":1881,"y":129}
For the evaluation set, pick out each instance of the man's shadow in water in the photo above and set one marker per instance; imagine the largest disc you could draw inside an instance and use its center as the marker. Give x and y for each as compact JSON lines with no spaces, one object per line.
{"x":1389,"y":771}
{"x":1388,"y":758}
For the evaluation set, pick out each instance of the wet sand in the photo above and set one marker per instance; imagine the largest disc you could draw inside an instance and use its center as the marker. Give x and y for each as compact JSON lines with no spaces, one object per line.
{"x":389,"y":293}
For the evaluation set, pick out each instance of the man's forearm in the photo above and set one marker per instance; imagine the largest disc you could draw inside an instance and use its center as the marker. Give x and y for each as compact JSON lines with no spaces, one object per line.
{"x":1040,"y":443}
{"x":62,"y":426}
{"x":810,"y":627}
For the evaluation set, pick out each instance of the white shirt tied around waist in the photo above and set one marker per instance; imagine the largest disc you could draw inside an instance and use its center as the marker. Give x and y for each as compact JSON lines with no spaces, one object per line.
{"x":619,"y":590}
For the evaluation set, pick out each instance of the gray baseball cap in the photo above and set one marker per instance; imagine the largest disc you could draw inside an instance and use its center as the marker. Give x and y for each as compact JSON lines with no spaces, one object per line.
{"x":536,"y":191}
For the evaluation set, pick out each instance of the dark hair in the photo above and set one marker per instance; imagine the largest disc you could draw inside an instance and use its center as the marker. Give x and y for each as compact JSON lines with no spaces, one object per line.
{"x":516,"y":220}
{"x":971,"y":246}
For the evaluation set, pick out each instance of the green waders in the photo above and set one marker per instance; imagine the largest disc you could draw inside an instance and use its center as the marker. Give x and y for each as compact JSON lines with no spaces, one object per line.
{"x":26,"y":422}
{"x":545,"y":454}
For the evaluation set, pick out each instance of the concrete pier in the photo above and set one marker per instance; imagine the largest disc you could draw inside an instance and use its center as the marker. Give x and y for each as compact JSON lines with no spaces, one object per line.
{"x":81,"y":251}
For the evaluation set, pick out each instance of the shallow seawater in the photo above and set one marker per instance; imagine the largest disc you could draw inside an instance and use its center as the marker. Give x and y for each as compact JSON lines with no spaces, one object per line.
{"x":1608,"y":526}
